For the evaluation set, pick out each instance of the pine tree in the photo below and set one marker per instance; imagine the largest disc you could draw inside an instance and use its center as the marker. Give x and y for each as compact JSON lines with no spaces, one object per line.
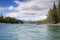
{"x":50,"y":16}
{"x":58,"y":11}
{"x":1,"y":18}
{"x":55,"y":17}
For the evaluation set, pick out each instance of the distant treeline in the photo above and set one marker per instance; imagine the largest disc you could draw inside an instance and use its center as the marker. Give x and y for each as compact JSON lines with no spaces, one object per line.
{"x":9,"y":20}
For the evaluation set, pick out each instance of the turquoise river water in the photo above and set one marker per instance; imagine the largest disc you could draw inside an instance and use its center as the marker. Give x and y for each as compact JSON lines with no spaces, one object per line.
{"x":29,"y":32}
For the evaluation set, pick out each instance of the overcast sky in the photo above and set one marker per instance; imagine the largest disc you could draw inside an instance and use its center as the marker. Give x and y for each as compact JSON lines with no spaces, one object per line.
{"x":28,"y":10}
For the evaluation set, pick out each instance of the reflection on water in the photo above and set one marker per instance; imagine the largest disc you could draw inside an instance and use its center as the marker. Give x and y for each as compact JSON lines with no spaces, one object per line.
{"x":54,"y":32}
{"x":29,"y":32}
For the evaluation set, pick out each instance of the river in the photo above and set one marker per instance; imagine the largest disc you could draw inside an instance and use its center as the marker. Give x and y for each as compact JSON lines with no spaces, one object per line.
{"x":29,"y":32}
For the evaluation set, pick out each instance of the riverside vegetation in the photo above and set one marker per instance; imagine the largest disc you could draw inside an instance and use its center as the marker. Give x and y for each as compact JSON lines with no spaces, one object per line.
{"x":9,"y":20}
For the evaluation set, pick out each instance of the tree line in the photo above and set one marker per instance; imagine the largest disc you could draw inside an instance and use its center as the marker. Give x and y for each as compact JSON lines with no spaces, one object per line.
{"x":9,"y":20}
{"x":54,"y":14}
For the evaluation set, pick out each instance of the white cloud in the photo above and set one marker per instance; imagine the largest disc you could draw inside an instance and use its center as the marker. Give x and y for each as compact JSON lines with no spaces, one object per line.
{"x":1,"y":8}
{"x":12,"y":14}
{"x":31,"y":10}
{"x":10,"y":8}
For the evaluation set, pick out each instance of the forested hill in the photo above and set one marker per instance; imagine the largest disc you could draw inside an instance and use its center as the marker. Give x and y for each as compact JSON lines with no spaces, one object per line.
{"x":9,"y":20}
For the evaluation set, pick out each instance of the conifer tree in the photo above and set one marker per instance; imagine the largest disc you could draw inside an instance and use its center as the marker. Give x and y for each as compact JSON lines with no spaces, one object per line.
{"x":58,"y":11}
{"x":1,"y":18}
{"x":55,"y":17}
{"x":50,"y":15}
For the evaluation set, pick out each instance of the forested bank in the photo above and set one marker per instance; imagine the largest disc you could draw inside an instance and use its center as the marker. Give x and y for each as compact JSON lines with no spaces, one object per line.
{"x":54,"y":14}
{"x":9,"y":20}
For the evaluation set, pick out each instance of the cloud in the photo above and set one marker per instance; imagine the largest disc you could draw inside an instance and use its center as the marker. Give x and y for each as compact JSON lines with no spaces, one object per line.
{"x":12,"y":14}
{"x":7,"y":8}
{"x":31,"y":9}
{"x":10,"y":8}
{"x":2,"y":8}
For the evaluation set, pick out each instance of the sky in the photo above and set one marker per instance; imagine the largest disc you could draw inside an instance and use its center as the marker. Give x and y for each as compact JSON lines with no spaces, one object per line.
{"x":28,"y":10}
